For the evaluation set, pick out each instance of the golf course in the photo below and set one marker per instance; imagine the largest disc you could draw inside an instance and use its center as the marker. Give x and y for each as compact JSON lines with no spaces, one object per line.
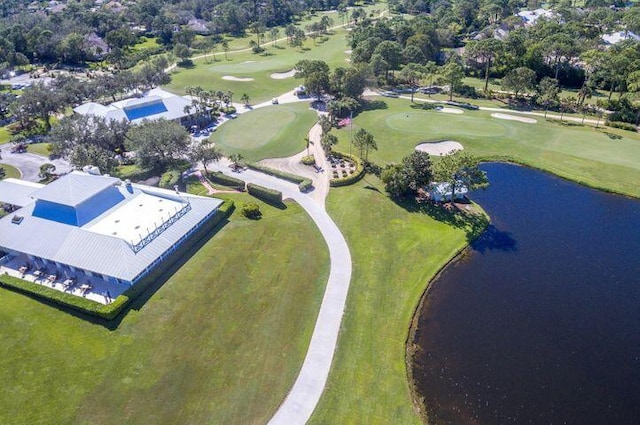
{"x":222,"y":337}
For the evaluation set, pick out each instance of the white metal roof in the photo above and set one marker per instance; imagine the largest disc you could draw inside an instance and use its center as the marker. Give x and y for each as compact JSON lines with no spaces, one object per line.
{"x":87,"y":249}
{"x":74,"y":188}
{"x":17,"y":192}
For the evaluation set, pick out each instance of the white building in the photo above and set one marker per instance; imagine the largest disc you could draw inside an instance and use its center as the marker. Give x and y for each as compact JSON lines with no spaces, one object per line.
{"x":154,"y":105}
{"x":618,"y":36}
{"x":96,"y":228}
{"x":441,"y":192}
{"x":530,"y":17}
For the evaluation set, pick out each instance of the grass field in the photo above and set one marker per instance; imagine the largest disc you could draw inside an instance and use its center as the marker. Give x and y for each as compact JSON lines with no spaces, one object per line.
{"x":220,"y":342}
{"x":395,"y":252}
{"x":39,"y":148}
{"x":10,"y":171}
{"x":259,"y":67}
{"x":607,"y":157}
{"x":270,"y":132}
{"x":4,"y":135}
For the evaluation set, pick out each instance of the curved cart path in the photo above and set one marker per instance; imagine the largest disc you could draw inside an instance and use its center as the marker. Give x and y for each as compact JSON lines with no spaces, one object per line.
{"x":309,"y":385}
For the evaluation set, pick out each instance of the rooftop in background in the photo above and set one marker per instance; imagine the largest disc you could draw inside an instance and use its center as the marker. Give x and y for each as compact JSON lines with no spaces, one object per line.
{"x":617,"y":37}
{"x":153,"y":105}
{"x":530,"y":17}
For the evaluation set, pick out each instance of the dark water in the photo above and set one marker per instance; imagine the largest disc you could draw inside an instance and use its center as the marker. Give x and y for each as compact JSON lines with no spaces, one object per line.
{"x":539,"y":323}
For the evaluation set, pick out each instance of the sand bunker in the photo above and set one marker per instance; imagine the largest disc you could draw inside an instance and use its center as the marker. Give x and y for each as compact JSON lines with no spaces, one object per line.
{"x":450,"y":110}
{"x":232,"y":78}
{"x":249,"y":62}
{"x":283,"y":75}
{"x":446,"y":147}
{"x":514,"y":118}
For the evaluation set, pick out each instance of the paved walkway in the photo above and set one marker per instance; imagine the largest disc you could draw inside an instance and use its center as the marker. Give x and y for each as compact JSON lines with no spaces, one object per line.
{"x":29,"y":163}
{"x":308,"y":387}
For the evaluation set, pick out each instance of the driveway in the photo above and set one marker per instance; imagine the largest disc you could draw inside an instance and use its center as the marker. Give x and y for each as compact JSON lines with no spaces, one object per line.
{"x":29,"y":163}
{"x":309,"y":385}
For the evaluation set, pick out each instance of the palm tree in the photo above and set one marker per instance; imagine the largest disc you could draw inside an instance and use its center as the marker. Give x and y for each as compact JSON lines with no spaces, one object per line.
{"x":245,"y":99}
{"x":308,"y":142}
{"x":205,"y":153}
{"x":225,"y":48}
{"x":236,"y":159}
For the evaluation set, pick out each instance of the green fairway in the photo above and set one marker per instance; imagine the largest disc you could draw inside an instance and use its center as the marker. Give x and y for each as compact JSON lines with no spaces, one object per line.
{"x":269,"y":132}
{"x":606,"y":158}
{"x":282,"y":58}
{"x":220,"y":342}
{"x":395,"y":251}
{"x":10,"y":171}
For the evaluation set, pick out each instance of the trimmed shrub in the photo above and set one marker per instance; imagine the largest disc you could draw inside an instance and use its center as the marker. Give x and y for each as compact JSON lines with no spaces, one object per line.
{"x":268,"y":195}
{"x":348,"y":179}
{"x":169,"y":179}
{"x":304,"y":184}
{"x":622,"y":125}
{"x":229,"y":181}
{"x":309,"y":160}
{"x":251,"y":210}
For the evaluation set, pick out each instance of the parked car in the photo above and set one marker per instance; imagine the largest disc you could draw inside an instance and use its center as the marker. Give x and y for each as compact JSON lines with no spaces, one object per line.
{"x":389,"y":94}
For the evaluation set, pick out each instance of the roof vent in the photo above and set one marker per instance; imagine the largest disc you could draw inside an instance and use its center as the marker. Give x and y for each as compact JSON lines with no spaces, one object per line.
{"x":17,"y":219}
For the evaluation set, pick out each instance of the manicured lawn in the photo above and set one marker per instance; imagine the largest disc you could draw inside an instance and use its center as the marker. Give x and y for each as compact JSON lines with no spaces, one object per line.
{"x":220,"y":342}
{"x":395,"y":252}
{"x":10,"y":171}
{"x":583,"y":154}
{"x":4,"y":135}
{"x":39,"y":148}
{"x":270,"y":132}
{"x":146,"y":43}
{"x":259,"y":67}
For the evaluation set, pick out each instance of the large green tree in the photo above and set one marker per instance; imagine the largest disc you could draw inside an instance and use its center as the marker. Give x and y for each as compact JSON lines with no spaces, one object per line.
{"x":364,"y":141}
{"x":460,"y":170}
{"x":519,"y":80}
{"x":406,"y":178}
{"x":483,"y":53}
{"x":158,"y":144}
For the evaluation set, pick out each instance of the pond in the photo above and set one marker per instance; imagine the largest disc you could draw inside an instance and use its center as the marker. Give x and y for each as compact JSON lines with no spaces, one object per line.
{"x":539,"y":321}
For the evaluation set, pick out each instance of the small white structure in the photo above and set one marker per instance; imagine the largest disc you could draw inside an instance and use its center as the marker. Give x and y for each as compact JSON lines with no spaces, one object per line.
{"x":441,"y":191}
{"x":300,"y":91}
{"x":530,"y":17}
{"x":618,"y":36}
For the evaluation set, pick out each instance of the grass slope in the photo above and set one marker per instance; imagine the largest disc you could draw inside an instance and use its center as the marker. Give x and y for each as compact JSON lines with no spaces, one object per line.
{"x":392,"y":265}
{"x":607,"y":157}
{"x":220,"y":342}
{"x":270,"y":132}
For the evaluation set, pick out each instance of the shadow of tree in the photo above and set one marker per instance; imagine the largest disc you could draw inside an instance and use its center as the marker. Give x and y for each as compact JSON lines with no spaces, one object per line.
{"x":373,"y":105}
{"x":493,"y":239}
{"x":473,"y":224}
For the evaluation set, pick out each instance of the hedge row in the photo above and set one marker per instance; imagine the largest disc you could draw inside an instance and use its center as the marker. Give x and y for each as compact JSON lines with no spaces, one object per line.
{"x":111,"y":311}
{"x":621,"y":125}
{"x":81,"y":304}
{"x":352,"y":178}
{"x":221,"y":178}
{"x":264,"y":193}
{"x":304,"y":184}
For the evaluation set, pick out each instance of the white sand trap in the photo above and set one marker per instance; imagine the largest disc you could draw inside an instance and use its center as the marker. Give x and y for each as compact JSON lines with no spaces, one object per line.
{"x":249,"y":62}
{"x":283,"y":75}
{"x":450,"y":110}
{"x":514,"y":118}
{"x":232,"y":78}
{"x":446,"y":147}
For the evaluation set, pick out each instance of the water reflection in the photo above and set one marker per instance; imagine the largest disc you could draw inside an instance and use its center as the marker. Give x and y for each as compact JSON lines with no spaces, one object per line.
{"x":539,"y":324}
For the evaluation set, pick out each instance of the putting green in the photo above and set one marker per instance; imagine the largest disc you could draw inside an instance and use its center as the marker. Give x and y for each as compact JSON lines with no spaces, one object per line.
{"x":270,"y":132}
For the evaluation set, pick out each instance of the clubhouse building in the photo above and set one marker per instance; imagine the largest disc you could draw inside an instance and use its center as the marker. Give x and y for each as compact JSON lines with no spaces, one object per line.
{"x":154,"y":105}
{"x":93,"y":235}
